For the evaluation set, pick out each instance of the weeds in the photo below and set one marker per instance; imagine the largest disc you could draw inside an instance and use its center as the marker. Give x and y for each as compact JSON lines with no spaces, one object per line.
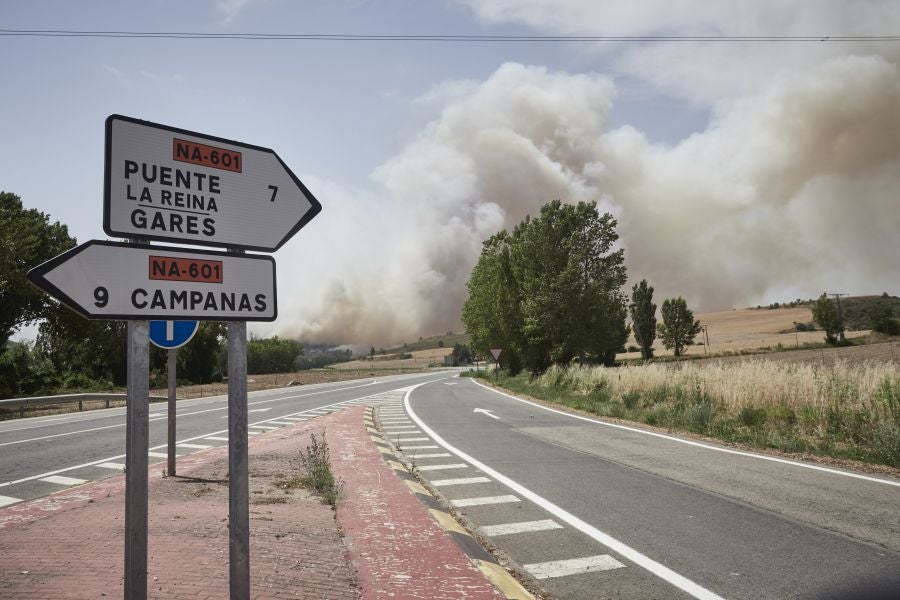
{"x":316,"y":462}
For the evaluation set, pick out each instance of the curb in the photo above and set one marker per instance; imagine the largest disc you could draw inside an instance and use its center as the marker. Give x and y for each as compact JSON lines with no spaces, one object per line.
{"x":493,"y":571}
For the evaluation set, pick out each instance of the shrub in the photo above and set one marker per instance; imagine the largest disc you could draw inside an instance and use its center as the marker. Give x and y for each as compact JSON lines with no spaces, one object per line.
{"x":886,"y":444}
{"x":750,"y":416}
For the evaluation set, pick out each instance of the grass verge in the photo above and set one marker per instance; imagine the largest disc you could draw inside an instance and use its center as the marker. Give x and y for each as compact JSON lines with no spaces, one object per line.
{"x":842,"y":411}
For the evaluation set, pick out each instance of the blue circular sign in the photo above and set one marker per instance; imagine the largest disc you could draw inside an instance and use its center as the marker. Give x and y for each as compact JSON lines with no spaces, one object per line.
{"x":172,"y":334}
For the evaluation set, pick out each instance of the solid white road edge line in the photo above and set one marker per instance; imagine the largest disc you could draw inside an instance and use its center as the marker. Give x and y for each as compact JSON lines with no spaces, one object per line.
{"x":661,"y":571}
{"x":697,"y":444}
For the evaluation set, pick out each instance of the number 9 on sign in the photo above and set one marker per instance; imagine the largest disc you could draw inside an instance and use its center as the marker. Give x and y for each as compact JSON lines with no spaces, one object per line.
{"x":101,"y":296}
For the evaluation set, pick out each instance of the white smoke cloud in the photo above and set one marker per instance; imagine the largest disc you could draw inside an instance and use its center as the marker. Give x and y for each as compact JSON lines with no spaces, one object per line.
{"x":790,"y":190}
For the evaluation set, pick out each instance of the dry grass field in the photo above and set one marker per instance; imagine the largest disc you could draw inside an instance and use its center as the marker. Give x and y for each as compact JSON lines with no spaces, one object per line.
{"x":747,"y":329}
{"x":420,"y":360}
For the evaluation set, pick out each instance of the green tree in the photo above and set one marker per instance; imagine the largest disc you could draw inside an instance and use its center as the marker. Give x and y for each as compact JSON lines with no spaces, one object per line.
{"x":27,"y":239}
{"x":678,"y":328}
{"x":203,"y":359}
{"x":826,"y":315}
{"x":84,"y":349}
{"x":643,"y":317}
{"x":882,"y":319}
{"x":550,"y":291}
{"x":272,"y":355}
{"x":460,"y":355}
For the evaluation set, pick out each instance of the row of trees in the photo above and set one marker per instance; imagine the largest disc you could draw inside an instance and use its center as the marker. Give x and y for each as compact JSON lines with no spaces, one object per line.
{"x":678,"y":329}
{"x":550,"y":292}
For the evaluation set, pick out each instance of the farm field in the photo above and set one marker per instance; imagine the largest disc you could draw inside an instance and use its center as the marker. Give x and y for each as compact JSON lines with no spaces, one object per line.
{"x":747,"y":329}
{"x":420,"y":360}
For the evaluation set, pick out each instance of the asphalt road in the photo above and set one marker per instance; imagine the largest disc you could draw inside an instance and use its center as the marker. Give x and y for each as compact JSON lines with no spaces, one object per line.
{"x":595,"y":510}
{"x":42,"y":455}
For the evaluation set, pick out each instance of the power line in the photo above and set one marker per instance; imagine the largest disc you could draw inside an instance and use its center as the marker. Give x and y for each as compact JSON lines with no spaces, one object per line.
{"x":352,"y":37}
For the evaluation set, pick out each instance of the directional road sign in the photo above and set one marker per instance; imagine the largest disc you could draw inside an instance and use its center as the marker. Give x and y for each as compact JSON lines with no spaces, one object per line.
{"x":170,"y":184}
{"x":112,"y":280}
{"x":170,"y":335}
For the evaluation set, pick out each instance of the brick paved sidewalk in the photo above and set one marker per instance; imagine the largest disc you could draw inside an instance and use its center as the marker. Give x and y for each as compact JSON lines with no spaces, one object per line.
{"x":70,"y":545}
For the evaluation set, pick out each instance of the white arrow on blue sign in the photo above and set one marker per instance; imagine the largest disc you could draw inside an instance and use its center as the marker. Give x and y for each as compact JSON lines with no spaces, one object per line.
{"x":172,"y":334}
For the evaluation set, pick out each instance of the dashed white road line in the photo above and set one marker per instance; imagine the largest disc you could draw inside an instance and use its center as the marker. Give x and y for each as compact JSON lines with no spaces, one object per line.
{"x":441,"y":467}
{"x":520,"y":527}
{"x":60,"y":480}
{"x":280,"y":423}
{"x":216,"y":438}
{"x":194,"y":446}
{"x":484,"y":500}
{"x":459,"y":481}
{"x":153,"y":454}
{"x":573,"y":566}
{"x":112,"y":465}
{"x":405,"y":448}
{"x":412,"y":439}
{"x":435,"y":455}
{"x":7,"y":500}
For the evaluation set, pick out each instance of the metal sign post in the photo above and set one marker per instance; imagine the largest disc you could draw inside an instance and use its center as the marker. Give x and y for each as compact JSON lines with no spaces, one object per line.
{"x":238,"y":487}
{"x":136,"y":447}
{"x":171,"y":335}
{"x":171,"y":429}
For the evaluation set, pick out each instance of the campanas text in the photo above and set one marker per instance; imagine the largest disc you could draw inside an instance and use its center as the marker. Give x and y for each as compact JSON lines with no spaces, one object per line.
{"x":196,"y":300}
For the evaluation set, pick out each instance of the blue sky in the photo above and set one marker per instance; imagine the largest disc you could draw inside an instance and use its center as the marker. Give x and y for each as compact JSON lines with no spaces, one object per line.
{"x":417,"y":151}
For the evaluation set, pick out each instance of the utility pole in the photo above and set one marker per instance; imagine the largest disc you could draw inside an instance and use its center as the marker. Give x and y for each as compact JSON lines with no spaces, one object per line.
{"x":840,"y":316}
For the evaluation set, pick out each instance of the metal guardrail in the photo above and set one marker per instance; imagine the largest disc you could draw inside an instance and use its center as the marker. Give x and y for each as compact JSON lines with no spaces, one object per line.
{"x":23,"y":403}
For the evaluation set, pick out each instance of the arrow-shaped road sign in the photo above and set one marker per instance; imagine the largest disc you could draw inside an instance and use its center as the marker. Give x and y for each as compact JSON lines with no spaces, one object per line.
{"x":111,"y":280}
{"x":170,"y":184}
{"x":489,"y":413}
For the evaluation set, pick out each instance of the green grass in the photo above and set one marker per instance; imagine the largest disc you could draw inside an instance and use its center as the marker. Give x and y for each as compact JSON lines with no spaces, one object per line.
{"x":847,"y":412}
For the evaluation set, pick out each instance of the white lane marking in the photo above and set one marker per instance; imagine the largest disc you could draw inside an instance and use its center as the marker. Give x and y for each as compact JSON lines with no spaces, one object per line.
{"x":573,"y":566}
{"x":269,"y":427}
{"x":413,"y":439}
{"x":697,"y":444}
{"x":7,"y":500}
{"x":161,"y":455}
{"x":156,"y":415}
{"x":441,"y":467}
{"x":56,"y":435}
{"x":485,"y":411}
{"x":398,"y":431}
{"x":112,"y":465}
{"x":484,"y":500}
{"x":420,"y":448}
{"x":460,"y":481}
{"x":436,"y":455}
{"x":193,"y":446}
{"x":661,"y":571}
{"x":280,"y":422}
{"x":216,"y":438}
{"x":60,"y":480}
{"x":260,"y":409}
{"x":391,"y":421}
{"x":292,"y":418}
{"x":520,"y":527}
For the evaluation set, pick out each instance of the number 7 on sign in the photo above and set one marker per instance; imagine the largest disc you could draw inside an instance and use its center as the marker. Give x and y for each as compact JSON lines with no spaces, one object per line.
{"x":274,"y":189}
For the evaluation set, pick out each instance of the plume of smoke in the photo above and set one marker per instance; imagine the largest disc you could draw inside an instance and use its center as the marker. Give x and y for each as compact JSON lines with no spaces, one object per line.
{"x":789,"y":191}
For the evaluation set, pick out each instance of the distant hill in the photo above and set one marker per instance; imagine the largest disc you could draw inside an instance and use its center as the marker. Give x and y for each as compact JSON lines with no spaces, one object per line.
{"x":446,"y":340}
